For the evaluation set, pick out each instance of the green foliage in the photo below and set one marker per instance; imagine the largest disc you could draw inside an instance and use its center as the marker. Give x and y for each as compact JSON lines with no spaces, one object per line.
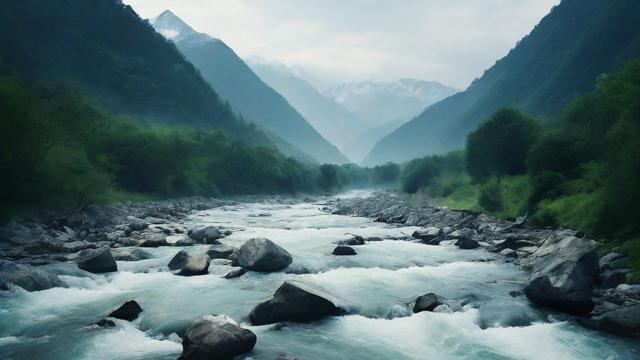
{"x":500,"y":145}
{"x":420,"y":173}
{"x":388,"y":173}
{"x":490,"y":196}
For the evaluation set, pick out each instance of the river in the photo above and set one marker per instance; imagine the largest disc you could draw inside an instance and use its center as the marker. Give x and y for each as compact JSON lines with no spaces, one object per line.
{"x":377,"y":283}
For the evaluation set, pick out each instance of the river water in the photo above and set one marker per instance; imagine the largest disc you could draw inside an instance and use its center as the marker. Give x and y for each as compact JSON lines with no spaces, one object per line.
{"x":378,"y":283}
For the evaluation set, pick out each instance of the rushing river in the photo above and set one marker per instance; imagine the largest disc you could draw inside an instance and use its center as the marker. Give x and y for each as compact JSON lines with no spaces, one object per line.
{"x":378,"y":283}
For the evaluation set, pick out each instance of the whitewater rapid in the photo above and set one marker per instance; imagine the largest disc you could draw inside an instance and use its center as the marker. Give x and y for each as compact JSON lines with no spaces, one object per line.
{"x":377,"y":283}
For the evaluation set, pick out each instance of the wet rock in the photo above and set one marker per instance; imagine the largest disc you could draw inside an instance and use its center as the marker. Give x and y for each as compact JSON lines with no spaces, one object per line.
{"x":94,"y":217}
{"x":261,"y":254}
{"x":19,"y":234}
{"x":612,"y":278}
{"x":612,"y":260}
{"x":513,"y":243}
{"x":296,"y":302}
{"x":220,"y":251}
{"x":153,"y":241}
{"x":234,"y":273}
{"x":467,"y":243}
{"x":398,"y":311}
{"x":97,"y":261}
{"x":426,"y":302}
{"x":341,"y":250}
{"x":27,"y":277}
{"x":622,"y":320}
{"x":216,"y":337}
{"x":444,"y":308}
{"x":373,"y":238}
{"x":354,"y":241}
{"x":131,"y":255}
{"x":128,"y":311}
{"x":506,"y":314}
{"x":206,"y":234}
{"x":564,"y":270}
{"x":136,"y":224}
{"x":185,"y":264}
{"x":427,"y":234}
{"x":106,"y":323}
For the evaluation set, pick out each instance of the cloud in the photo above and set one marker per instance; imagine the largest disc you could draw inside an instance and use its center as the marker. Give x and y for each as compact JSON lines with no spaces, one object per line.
{"x":452,"y":41}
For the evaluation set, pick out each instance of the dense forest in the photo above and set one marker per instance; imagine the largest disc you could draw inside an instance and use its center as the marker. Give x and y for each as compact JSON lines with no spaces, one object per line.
{"x":60,"y":150}
{"x":581,"y":171}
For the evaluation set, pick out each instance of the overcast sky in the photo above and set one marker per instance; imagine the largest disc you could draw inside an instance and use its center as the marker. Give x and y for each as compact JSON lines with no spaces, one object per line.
{"x":451,"y":41}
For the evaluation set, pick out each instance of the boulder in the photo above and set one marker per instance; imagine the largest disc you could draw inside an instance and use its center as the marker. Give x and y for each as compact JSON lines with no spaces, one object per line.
{"x":466,"y":243}
{"x":426,"y":302}
{"x":27,"y":277}
{"x":94,"y":217}
{"x":354,"y":241}
{"x":623,"y":320}
{"x":216,"y":337}
{"x":261,"y":254}
{"x":136,"y":224}
{"x":427,"y":234}
{"x":563,"y":273}
{"x":612,"y":278}
{"x":97,"y":261}
{"x":220,"y":251}
{"x":185,"y":264}
{"x":341,"y":250}
{"x":612,"y":260}
{"x":153,"y":240}
{"x":129,"y":311}
{"x":296,"y":302}
{"x":513,"y":243}
{"x":234,"y":273}
{"x":206,"y":234}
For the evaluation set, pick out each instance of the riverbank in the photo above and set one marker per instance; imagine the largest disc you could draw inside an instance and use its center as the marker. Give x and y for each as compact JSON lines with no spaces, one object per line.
{"x":566,"y":273}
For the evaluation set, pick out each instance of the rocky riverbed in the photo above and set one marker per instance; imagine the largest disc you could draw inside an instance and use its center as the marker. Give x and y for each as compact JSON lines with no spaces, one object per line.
{"x":360,"y":276}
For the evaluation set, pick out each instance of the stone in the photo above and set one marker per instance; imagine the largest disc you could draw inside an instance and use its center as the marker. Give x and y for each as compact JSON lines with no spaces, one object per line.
{"x":97,"y":261}
{"x":563,"y":273}
{"x":185,"y":264}
{"x":128,"y":311}
{"x":136,"y":224}
{"x":611,"y":261}
{"x":623,"y":320}
{"x":296,"y":302}
{"x":341,"y":250}
{"x":466,"y":243}
{"x":234,"y":273}
{"x":27,"y":277}
{"x":354,"y":241}
{"x":220,"y":251}
{"x":153,"y":240}
{"x":612,"y":278}
{"x":206,"y":234}
{"x":261,"y":254}
{"x":426,"y":302}
{"x":427,"y":234}
{"x":216,"y":337}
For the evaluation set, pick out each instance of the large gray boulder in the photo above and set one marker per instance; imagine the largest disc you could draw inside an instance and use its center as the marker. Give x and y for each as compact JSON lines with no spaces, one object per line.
{"x":220,"y":251}
{"x":427,"y":234}
{"x":261,"y":254}
{"x":27,"y":277}
{"x":563,"y":273}
{"x":623,"y":320}
{"x":296,"y":302}
{"x":185,"y":264}
{"x":216,"y":337}
{"x":205,"y":234}
{"x":97,"y":261}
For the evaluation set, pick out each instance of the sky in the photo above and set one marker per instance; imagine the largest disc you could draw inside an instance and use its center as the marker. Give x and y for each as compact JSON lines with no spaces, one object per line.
{"x":339,"y":41}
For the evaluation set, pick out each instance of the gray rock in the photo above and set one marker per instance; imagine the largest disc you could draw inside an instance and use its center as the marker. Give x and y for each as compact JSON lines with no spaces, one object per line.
{"x":427,"y":234}
{"x":153,"y":240}
{"x":216,"y":337}
{"x":128,"y":311}
{"x":612,"y":278}
{"x":27,"y":277}
{"x":341,"y":250}
{"x":354,"y":241}
{"x":623,"y":320}
{"x":185,"y":264}
{"x":234,"y":273}
{"x":94,"y":217}
{"x":426,"y":302}
{"x":563,"y":273}
{"x":612,"y":260}
{"x":97,"y":261}
{"x":131,"y":255}
{"x":136,"y":224}
{"x":220,"y":251}
{"x":261,"y":254}
{"x":206,"y":234}
{"x":466,"y":243}
{"x":296,"y":302}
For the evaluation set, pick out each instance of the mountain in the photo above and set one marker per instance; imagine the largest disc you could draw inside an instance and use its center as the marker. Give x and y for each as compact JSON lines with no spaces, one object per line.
{"x":244,"y":90}
{"x":332,"y":120}
{"x":359,"y":147}
{"x":381,"y":102}
{"x":104,"y":50}
{"x":559,"y":60}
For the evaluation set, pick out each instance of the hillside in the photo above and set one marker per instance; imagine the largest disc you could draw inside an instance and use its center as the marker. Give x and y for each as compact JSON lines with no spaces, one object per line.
{"x":104,"y":50}
{"x":559,"y":60}
{"x":244,"y":90}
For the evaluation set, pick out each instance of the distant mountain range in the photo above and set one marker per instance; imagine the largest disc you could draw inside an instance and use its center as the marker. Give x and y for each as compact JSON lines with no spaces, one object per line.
{"x":108,"y":53}
{"x":245,"y":91}
{"x":383,"y":102}
{"x":332,"y":120}
{"x":559,"y":60}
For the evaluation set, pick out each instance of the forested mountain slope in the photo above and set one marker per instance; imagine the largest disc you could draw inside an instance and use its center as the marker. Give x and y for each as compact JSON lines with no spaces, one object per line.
{"x":559,"y":60}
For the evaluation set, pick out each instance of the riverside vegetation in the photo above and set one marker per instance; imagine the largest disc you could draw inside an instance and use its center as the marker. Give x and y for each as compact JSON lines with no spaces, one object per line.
{"x":580,"y":171}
